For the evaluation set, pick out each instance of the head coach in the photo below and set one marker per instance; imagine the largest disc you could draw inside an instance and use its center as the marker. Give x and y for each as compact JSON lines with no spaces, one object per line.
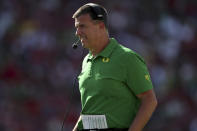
{"x":114,"y":83}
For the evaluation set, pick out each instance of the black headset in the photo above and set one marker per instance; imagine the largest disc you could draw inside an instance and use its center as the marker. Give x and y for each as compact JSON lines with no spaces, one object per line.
{"x":97,"y":11}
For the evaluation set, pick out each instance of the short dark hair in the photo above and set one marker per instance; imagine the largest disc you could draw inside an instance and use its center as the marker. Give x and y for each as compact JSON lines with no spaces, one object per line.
{"x":96,"y":12}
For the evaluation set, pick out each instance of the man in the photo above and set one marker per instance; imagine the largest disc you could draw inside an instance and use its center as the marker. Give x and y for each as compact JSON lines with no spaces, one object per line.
{"x":115,"y":86}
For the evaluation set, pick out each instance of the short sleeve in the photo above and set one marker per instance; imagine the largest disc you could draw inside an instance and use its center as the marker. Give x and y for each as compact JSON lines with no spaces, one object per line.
{"x":138,"y":78}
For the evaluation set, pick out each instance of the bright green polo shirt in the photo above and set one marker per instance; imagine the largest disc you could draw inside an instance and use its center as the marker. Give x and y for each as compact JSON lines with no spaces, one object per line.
{"x":110,"y":82}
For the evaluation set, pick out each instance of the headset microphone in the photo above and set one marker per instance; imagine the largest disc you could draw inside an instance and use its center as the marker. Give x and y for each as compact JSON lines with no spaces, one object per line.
{"x":75,"y":45}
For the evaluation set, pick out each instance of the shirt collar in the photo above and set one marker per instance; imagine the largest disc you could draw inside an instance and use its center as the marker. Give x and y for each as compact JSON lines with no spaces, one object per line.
{"x":106,"y":51}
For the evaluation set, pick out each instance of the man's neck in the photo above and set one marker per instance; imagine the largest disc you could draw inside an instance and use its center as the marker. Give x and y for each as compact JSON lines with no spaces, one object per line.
{"x":100,"y":46}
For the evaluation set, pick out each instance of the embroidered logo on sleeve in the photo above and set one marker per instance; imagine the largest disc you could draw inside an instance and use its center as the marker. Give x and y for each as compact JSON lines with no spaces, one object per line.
{"x":94,"y":121}
{"x":147,"y":77}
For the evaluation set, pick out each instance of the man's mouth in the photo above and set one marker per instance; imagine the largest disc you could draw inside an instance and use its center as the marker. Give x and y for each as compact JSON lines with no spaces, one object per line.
{"x":83,"y":38}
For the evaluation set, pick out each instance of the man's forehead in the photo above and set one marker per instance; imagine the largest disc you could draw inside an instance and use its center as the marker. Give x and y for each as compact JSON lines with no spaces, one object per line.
{"x":83,"y":18}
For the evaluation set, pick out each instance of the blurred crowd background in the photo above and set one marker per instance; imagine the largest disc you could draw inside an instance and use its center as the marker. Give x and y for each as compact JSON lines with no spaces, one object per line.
{"x":38,"y":65}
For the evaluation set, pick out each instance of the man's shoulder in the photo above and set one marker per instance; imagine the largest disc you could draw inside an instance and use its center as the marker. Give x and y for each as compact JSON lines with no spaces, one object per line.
{"x":128,"y":54}
{"x":124,"y":51}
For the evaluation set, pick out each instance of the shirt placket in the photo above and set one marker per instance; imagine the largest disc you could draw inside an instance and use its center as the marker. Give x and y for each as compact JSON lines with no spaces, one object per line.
{"x":90,"y":69}
{"x":92,"y":66}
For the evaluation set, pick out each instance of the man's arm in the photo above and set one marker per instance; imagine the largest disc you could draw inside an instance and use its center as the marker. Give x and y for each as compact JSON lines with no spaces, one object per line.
{"x":147,"y":107}
{"x":75,"y":128}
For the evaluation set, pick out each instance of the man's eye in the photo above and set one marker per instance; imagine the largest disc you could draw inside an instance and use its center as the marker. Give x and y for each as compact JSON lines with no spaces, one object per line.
{"x":81,"y":26}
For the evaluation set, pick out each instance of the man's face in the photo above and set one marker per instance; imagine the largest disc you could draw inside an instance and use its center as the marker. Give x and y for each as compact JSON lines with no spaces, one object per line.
{"x":87,"y":30}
